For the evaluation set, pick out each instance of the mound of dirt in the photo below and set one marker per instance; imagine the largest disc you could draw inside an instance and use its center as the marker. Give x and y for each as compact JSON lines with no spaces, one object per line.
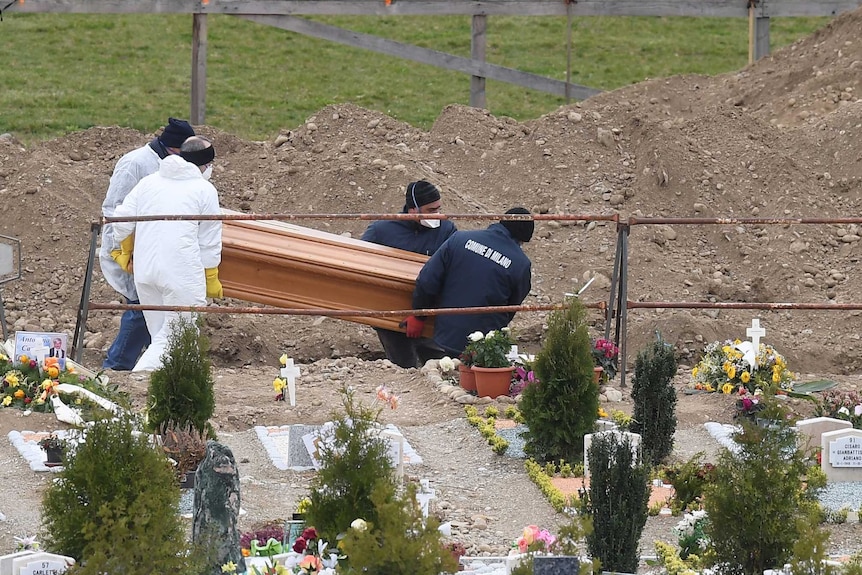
{"x":777,"y":139}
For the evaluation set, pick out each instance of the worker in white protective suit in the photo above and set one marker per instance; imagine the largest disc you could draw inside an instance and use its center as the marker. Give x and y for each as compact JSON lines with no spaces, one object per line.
{"x":133,"y":337}
{"x":175,"y":263}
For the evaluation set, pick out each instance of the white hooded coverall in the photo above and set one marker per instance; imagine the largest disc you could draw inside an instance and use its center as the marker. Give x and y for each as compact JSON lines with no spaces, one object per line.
{"x":170,"y":256}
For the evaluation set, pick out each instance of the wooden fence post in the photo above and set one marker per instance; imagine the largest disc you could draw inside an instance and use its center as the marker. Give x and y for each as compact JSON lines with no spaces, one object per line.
{"x":477,"y":52}
{"x":761,"y":37}
{"x":197,"y":114}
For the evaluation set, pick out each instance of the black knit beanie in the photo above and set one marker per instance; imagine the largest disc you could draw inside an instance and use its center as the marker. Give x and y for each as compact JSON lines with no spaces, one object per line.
{"x":176,"y":132}
{"x":520,"y":230}
{"x":419,"y":194}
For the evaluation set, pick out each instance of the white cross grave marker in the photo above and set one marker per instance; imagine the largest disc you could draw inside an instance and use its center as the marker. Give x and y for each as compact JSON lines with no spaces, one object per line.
{"x":512,"y":356}
{"x":755,"y":332}
{"x":290,"y":372}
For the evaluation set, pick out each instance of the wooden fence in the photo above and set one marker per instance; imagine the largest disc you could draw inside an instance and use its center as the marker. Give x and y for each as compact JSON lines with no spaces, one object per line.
{"x":285,"y":14}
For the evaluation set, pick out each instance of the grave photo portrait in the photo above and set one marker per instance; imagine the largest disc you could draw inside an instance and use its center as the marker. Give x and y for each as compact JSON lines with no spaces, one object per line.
{"x":39,"y":345}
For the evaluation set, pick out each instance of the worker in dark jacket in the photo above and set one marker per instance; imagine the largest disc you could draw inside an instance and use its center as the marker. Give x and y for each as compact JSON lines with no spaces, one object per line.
{"x":474,"y":269}
{"x":421,"y":237}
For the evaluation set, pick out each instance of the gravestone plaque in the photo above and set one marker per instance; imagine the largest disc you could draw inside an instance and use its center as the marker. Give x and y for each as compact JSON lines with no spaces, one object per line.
{"x":841,"y":455}
{"x":49,"y":567}
{"x":555,"y":565}
{"x":38,"y":561}
{"x":846,"y":452}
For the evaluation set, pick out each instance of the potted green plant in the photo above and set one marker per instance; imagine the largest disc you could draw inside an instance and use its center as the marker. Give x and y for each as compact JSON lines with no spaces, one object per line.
{"x":491,"y":365}
{"x":55,"y":448}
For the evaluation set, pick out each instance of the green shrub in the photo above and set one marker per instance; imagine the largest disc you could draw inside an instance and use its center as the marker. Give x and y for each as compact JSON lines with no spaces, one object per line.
{"x":114,"y":507}
{"x":688,"y":479}
{"x":811,"y":552}
{"x":399,"y":540}
{"x":654,"y":417}
{"x":753,"y":528}
{"x":616,"y":500}
{"x":562,"y":408}
{"x":353,"y":463}
{"x":181,"y":391}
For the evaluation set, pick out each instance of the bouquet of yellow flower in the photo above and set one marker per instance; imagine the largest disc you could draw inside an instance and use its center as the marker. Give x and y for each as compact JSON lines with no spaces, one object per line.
{"x":728,"y":366}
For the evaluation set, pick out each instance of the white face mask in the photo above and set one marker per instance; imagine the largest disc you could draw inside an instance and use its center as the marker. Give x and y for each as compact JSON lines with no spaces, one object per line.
{"x":433,"y":224}
{"x":207,"y":174}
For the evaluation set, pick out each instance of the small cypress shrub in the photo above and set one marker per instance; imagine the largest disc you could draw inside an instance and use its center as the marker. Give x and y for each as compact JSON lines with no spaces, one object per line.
{"x":180,"y":393}
{"x":562,"y":407}
{"x":752,"y":528}
{"x":400,"y":541}
{"x":114,"y":507}
{"x":353,"y":463}
{"x":616,"y":501}
{"x":654,"y":417}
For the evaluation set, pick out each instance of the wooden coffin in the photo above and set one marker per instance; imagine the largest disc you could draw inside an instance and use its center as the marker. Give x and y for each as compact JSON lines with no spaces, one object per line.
{"x":285,"y":265}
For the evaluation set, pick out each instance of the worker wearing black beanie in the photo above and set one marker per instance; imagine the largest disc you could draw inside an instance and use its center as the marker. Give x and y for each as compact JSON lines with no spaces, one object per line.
{"x":424,"y":236}
{"x":520,"y":230}
{"x":474,"y":268}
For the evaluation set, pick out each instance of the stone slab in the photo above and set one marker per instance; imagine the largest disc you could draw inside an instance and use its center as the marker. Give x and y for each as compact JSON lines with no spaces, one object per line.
{"x":6,"y":561}
{"x":811,"y":430}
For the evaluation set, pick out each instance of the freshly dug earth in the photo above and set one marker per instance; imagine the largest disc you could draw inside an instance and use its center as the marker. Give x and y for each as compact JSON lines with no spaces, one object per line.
{"x":778,"y":139}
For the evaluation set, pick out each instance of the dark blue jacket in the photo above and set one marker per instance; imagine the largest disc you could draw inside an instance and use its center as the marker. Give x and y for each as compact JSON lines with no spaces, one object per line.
{"x":409,"y":235}
{"x":473,"y":268}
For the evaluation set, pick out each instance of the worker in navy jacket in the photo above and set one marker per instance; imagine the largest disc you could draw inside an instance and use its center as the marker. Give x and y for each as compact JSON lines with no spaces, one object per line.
{"x":473,"y":269}
{"x":422,"y":236}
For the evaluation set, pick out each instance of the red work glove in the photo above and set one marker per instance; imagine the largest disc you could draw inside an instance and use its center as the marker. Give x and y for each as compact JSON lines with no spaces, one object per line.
{"x":414,"y":326}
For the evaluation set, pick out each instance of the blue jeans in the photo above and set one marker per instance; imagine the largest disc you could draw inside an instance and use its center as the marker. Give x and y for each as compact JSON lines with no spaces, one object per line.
{"x":131,"y":340}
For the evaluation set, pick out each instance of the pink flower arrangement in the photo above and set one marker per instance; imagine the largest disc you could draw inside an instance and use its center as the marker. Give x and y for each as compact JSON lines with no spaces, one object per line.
{"x":606,"y":356}
{"x":522,"y":378}
{"x":535,"y":539}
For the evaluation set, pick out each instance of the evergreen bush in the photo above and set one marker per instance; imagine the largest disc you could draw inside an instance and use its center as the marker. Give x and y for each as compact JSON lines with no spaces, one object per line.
{"x":114,"y":507}
{"x":616,"y":500}
{"x":399,"y":541}
{"x":654,"y":396}
{"x":180,"y":393}
{"x":753,"y":528}
{"x":353,"y":462}
{"x":562,"y":407}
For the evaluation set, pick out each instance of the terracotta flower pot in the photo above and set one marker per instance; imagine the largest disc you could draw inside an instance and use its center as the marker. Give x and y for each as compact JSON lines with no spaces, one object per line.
{"x":493,"y":381}
{"x":598,"y":372}
{"x":467,"y":377}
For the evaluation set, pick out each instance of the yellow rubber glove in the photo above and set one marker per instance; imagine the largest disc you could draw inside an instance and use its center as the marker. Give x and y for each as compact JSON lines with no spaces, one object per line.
{"x":214,"y":288}
{"x":123,"y":256}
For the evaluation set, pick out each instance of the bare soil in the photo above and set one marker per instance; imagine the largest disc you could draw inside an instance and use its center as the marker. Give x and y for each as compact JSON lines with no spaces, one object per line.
{"x":778,"y":139}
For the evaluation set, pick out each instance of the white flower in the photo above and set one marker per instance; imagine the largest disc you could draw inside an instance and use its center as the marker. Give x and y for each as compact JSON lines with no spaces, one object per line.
{"x":506,"y":329}
{"x":329,"y":563}
{"x":476,"y":336}
{"x":359,"y":524}
{"x":857,"y":411}
{"x":446,"y":363}
{"x":844,"y":411}
{"x":490,"y":334}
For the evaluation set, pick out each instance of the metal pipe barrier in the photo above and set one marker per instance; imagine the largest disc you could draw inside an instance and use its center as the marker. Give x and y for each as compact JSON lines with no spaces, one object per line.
{"x":619,"y":282}
{"x":615,"y":310}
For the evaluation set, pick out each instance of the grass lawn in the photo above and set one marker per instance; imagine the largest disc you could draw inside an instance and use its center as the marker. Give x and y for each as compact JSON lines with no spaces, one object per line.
{"x":68,"y":72}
